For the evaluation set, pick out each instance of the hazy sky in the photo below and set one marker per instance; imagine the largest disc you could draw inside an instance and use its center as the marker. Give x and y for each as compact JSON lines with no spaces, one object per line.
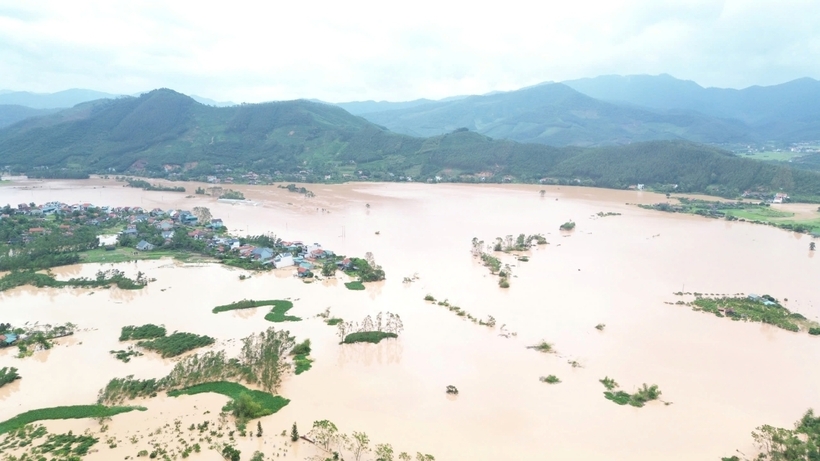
{"x":355,"y":50}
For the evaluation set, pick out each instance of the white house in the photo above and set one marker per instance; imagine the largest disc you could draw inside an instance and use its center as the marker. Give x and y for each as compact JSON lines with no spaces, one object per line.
{"x":283,"y":260}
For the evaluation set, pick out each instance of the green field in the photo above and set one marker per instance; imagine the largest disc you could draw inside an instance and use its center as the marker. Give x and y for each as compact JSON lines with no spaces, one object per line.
{"x":121,"y":254}
{"x":277,"y":314}
{"x":69,"y":412}
{"x":368,"y":337}
{"x":248,"y":304}
{"x":269,"y":404}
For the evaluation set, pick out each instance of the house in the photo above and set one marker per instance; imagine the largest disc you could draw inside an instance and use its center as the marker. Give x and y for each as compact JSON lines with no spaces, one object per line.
{"x":302,"y":272}
{"x":754,"y":297}
{"x":217,"y":223}
{"x":165,"y":225}
{"x":189,"y":219}
{"x":780,"y":197}
{"x":168,"y":235}
{"x":262,"y":253}
{"x":144,"y":246}
{"x":130,"y":231}
{"x":283,"y":260}
{"x":8,"y":339}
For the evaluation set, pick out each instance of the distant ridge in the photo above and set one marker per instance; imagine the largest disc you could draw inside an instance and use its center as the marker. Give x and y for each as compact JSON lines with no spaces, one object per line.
{"x":163,"y":133}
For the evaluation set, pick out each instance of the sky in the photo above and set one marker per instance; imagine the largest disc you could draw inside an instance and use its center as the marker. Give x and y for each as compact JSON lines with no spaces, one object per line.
{"x":338,"y":51}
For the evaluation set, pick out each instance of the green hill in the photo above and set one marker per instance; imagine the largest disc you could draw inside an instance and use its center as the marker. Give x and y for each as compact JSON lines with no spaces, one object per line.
{"x":167,"y":134}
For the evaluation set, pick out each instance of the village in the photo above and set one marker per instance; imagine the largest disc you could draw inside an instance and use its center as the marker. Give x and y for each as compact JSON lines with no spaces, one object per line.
{"x":82,"y":227}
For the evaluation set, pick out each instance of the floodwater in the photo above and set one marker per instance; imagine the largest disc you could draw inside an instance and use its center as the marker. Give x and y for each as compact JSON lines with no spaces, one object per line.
{"x":722,"y":378}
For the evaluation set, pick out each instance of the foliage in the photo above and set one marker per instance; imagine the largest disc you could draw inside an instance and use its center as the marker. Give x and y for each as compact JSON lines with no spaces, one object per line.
{"x":277,"y":313}
{"x":779,"y":444}
{"x":366,"y":269}
{"x":230,"y":453}
{"x":302,"y":348}
{"x":176,"y":344}
{"x":147,"y":331}
{"x":233,"y":195}
{"x":294,"y":433}
{"x":300,"y":354}
{"x":753,"y":310}
{"x":8,"y":375}
{"x":67,"y":412}
{"x":551,"y":379}
{"x":125,"y":356}
{"x":567,"y":226}
{"x":643,"y":395}
{"x":104,"y":279}
{"x":544,"y":347}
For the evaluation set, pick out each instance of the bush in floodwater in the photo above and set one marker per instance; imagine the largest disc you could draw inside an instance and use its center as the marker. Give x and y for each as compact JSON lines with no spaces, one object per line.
{"x":544,"y":347}
{"x":551,"y":379}
{"x":567,"y":226}
{"x":814,"y":331}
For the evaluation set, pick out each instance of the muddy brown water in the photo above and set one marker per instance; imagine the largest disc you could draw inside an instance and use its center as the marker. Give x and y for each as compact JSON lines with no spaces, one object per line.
{"x":723,"y":378}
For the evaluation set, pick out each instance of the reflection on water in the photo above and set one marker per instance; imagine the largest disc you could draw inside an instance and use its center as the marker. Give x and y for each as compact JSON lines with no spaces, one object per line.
{"x":8,"y":389}
{"x":386,"y":352}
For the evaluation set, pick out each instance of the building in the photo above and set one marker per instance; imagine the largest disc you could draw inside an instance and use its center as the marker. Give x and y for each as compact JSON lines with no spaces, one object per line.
{"x":283,"y":260}
{"x":144,"y":246}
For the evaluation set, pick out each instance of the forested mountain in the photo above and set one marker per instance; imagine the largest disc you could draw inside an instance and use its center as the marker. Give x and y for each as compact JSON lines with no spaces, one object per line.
{"x":59,"y":100}
{"x":787,"y":112}
{"x":557,"y":115}
{"x":10,"y":114}
{"x":167,"y":134}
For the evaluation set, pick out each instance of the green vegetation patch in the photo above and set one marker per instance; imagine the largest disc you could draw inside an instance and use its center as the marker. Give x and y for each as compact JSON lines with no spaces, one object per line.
{"x":147,"y":331}
{"x":247,"y":304}
{"x":176,"y":344}
{"x":334,"y":321}
{"x":354,"y":285}
{"x":104,"y":279}
{"x":764,"y":309}
{"x":125,"y":356}
{"x":8,"y":375}
{"x":643,"y":395}
{"x":277,"y":314}
{"x":368,"y":337}
{"x":69,"y":412}
{"x":777,"y":443}
{"x":247,"y":403}
{"x":551,"y":379}
{"x":300,"y":353}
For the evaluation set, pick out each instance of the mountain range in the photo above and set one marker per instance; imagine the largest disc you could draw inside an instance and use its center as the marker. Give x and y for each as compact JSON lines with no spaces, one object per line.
{"x":163,"y":133}
{"x":622,"y":109}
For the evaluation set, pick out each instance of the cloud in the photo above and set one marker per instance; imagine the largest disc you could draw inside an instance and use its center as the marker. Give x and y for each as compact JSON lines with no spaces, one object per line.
{"x":356,"y":50}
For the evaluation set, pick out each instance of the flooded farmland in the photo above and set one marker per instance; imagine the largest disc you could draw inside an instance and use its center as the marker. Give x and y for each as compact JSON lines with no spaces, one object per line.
{"x":722,"y":378}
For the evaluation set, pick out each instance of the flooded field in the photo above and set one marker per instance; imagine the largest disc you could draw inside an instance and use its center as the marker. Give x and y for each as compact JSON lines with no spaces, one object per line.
{"x":722,"y":378}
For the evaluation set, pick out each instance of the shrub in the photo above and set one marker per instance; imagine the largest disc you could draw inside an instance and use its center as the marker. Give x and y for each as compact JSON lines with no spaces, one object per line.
{"x":551,"y":379}
{"x":176,"y":344}
{"x":567,"y":226}
{"x":368,"y":337}
{"x":147,"y":331}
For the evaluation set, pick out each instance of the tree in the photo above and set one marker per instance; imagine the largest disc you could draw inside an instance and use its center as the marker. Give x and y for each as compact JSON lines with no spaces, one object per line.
{"x":230,"y":453}
{"x":403,"y":456}
{"x":259,"y":429}
{"x":542,"y":192}
{"x":361,"y":444}
{"x":328,"y":268}
{"x":203,"y":214}
{"x":294,"y":433}
{"x":811,"y":246}
{"x":384,"y":452}
{"x":325,"y":433}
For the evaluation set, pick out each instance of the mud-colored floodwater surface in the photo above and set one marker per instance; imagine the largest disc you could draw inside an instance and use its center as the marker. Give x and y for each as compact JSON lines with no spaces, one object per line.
{"x":722,"y":378}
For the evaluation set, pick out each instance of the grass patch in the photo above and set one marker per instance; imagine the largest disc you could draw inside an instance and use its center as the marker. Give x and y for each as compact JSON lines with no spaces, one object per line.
{"x":176,"y":344}
{"x":121,"y":255}
{"x":334,"y":321}
{"x":69,"y":412}
{"x":354,"y":285}
{"x":764,"y":309}
{"x":368,"y":337}
{"x":277,"y":314}
{"x":302,"y":363}
{"x":263,"y":403}
{"x":147,"y":331}
{"x":247,"y":304}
